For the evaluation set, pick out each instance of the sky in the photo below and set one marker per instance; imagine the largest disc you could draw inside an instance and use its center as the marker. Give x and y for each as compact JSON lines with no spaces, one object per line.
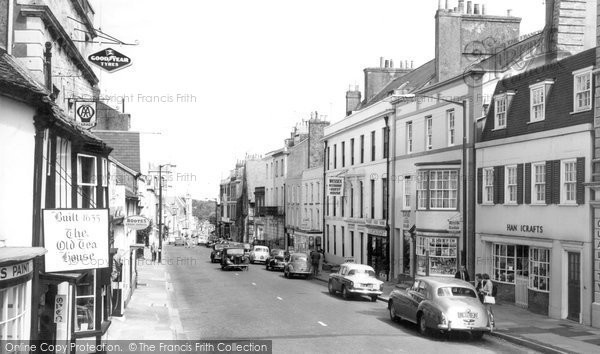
{"x":212,"y":81}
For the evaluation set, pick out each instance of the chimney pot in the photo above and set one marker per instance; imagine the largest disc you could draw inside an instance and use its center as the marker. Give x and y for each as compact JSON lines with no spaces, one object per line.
{"x":356,"y":88}
{"x":470,"y":7}
{"x":476,"y":9}
{"x":391,"y":63}
{"x":508,"y":12}
{"x":406,"y":64}
{"x":387,"y":63}
{"x":439,"y":4}
{"x":483,"y":9}
{"x":461,"y":6}
{"x":412,"y":63}
{"x":381,"y":62}
{"x":401,"y":67}
{"x":446,"y":5}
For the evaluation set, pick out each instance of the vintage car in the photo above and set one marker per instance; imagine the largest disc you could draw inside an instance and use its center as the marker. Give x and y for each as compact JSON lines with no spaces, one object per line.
{"x":276,"y":259}
{"x":355,"y":279}
{"x":179,"y":241}
{"x":259,"y":254}
{"x":234,"y":258}
{"x":297,"y":264}
{"x":442,"y":304}
{"x":215,"y":255}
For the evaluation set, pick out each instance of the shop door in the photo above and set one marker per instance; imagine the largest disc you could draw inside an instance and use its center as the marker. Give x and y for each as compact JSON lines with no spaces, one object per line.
{"x":521,"y":297}
{"x":574,"y":284}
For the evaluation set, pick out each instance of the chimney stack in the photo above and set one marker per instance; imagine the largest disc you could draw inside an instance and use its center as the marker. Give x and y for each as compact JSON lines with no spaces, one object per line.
{"x":470,"y":7}
{"x":476,"y":9}
{"x":508,"y":12}
{"x":446,"y":5}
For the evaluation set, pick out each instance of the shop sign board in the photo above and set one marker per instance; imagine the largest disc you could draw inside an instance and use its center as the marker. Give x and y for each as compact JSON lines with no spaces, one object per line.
{"x":76,"y":239}
{"x":86,"y":113}
{"x":455,"y":224}
{"x":335,"y":186}
{"x":60,"y":308}
{"x":110,"y":60}
{"x":16,"y":270}
{"x":136,"y":222}
{"x":377,"y":232}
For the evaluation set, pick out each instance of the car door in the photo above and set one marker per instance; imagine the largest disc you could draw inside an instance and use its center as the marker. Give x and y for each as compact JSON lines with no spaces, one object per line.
{"x":415,"y":297}
{"x":403,"y":302}
{"x":337,"y":279}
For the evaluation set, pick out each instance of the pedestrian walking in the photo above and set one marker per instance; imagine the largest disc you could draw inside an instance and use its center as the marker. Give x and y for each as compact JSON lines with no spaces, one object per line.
{"x":315,"y":257}
{"x":153,"y":251}
{"x":462,"y":274}
{"x":479,"y":286}
{"x":322,"y":260}
{"x":488,"y":293}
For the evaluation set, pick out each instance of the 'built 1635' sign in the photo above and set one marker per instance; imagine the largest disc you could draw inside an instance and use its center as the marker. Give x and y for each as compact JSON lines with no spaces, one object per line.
{"x":110,"y":60}
{"x":76,"y":239}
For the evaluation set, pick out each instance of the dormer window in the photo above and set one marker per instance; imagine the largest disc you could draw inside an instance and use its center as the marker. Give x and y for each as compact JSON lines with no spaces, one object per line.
{"x":538,"y":93}
{"x":582,"y":90}
{"x":501,"y":104}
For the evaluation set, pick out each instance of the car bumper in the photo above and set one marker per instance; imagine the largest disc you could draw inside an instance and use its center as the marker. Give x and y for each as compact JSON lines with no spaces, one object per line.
{"x":365,"y":291}
{"x":277,"y":266}
{"x":450,"y":327}
{"x":300,"y":272}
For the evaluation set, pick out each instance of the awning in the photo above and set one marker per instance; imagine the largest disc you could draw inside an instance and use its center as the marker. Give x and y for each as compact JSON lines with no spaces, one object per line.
{"x":63,"y":277}
{"x":19,"y":254}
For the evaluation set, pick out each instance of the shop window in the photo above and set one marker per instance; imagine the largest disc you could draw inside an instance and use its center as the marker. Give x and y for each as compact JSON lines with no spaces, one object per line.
{"x":504,"y":263}
{"x":539,"y":269}
{"x":15,"y":313}
{"x":441,"y":253}
{"x":85,"y":302}
{"x":86,"y":181}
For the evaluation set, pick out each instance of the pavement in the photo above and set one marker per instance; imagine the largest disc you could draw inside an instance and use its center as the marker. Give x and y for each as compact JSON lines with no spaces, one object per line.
{"x":525,"y":328}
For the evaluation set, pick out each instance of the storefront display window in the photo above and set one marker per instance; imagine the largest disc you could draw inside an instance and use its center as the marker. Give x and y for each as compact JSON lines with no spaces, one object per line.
{"x":85,"y":299}
{"x":442,"y":252}
{"x":539,"y":269}
{"x":510,"y":261}
{"x":15,"y":312}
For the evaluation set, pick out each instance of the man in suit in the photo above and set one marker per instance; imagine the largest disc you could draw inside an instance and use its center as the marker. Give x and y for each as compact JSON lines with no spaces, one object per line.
{"x":462,"y":274}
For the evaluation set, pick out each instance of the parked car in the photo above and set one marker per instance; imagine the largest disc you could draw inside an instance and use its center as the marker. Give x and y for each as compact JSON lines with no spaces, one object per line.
{"x":355,"y":279}
{"x":259,"y":254}
{"x":179,"y":241}
{"x":443,"y":304}
{"x":276,"y":259}
{"x":233,"y":257}
{"x":297,"y":264}
{"x":215,"y":255}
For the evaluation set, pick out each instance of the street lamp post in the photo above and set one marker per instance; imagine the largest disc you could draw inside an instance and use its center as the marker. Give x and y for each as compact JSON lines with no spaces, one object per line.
{"x":160,"y":204}
{"x":464,"y":105}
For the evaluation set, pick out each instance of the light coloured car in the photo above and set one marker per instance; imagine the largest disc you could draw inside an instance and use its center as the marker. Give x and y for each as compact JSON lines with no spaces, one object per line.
{"x":259,"y":254}
{"x":297,"y":264}
{"x":355,"y":279}
{"x":442,"y":304}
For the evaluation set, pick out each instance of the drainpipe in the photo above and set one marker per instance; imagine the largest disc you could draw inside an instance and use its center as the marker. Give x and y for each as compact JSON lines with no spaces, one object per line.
{"x":324,"y":200}
{"x":48,"y":68}
{"x":387,"y":201}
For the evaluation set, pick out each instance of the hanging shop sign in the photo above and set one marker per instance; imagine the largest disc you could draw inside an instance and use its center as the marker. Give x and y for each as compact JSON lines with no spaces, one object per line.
{"x":335,"y":186}
{"x":86,"y":113}
{"x":110,"y":60}
{"x":76,"y":239}
{"x":136,"y":222}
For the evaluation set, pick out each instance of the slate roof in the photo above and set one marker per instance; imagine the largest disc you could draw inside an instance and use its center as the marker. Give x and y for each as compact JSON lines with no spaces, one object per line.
{"x":17,"y":83}
{"x":559,"y":101}
{"x":511,"y":53}
{"x":414,"y":80}
{"x":126,"y":147}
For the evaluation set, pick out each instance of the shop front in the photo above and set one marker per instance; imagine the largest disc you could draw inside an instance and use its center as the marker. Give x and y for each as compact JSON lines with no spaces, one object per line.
{"x":17,"y":267}
{"x":436,"y":253}
{"x":306,"y":241}
{"x":378,"y":255}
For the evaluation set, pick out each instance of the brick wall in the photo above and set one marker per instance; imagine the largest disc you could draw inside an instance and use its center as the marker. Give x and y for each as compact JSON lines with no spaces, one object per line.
{"x":506,"y":293}
{"x":538,"y":302}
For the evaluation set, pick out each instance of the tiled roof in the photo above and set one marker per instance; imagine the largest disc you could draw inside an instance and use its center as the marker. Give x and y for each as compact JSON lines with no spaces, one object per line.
{"x":126,"y":147}
{"x":559,"y":100}
{"x":414,"y":80}
{"x":17,"y":83}
{"x":512,"y":54}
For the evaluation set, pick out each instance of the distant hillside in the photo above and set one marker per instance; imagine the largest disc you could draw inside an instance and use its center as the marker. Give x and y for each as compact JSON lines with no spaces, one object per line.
{"x":203,"y":209}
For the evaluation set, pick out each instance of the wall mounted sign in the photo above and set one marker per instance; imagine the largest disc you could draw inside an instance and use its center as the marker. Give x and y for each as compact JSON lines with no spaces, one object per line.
{"x":110,"y":60}
{"x":136,"y":222}
{"x":76,"y":239}
{"x":335,"y":186}
{"x":60,"y":308}
{"x":537,"y":229}
{"x":86,"y":113}
{"x":16,"y":270}
{"x":455,"y":224}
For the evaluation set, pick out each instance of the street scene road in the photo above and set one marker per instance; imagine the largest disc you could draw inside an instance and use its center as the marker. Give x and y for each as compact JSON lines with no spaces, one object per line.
{"x":298,"y":315}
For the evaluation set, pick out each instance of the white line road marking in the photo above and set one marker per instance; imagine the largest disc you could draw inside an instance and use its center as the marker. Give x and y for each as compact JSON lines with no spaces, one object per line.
{"x":280,"y":299}
{"x":322,"y":324}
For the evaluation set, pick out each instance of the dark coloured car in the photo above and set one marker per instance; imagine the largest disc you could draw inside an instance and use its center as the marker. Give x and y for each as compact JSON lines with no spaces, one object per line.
{"x":215,"y":255}
{"x":298,"y":264}
{"x":234,"y":258}
{"x":276,"y":260}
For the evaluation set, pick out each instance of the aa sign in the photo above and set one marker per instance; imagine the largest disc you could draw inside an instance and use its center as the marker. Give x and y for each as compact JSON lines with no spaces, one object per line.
{"x":335,"y":186}
{"x":86,"y":113}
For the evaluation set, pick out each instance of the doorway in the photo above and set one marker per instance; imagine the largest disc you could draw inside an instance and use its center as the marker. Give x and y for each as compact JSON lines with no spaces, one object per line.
{"x":574,"y":286}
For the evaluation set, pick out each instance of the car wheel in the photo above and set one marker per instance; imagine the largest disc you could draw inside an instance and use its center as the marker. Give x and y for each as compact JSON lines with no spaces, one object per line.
{"x":330,"y":287}
{"x":477,"y":335}
{"x":422,"y":324}
{"x":345,"y":293}
{"x":393,"y":316}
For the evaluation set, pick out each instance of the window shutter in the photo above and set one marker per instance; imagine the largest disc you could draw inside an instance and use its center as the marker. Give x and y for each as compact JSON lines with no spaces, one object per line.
{"x":499,"y":184}
{"x":527,"y":183}
{"x":520,"y":184}
{"x":580,"y":180}
{"x":549,"y":182}
{"x":556,"y":182}
{"x":479,"y":185}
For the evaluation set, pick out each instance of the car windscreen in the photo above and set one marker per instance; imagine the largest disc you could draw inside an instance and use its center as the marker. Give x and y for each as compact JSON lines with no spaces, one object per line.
{"x":235,"y":251}
{"x":368,"y":272}
{"x":299,"y":257}
{"x":456,"y":291}
{"x":277,"y":253}
{"x":261,"y":249}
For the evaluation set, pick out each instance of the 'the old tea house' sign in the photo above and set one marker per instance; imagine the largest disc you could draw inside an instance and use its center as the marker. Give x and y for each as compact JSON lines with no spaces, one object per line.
{"x":76,"y":239}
